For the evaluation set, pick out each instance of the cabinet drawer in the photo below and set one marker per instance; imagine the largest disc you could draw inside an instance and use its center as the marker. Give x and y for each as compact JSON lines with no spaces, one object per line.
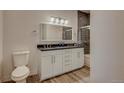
{"x":67,"y":59}
{"x":68,"y":51}
{"x":67,"y":56}
{"x":67,"y":62}
{"x":78,"y":50}
{"x":66,"y":65}
{"x":55,"y":52}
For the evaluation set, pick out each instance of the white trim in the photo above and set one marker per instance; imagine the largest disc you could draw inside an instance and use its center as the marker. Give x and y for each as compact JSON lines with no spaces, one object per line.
{"x":51,"y":23}
{"x":85,"y":27}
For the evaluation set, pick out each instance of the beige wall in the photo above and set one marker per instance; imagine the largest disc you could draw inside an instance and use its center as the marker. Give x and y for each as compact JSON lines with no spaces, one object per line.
{"x":18,"y":27}
{"x":1,"y":42}
{"x":107,"y":46}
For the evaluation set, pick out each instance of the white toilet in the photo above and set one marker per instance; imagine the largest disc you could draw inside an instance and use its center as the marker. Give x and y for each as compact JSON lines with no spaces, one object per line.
{"x":21,"y":72}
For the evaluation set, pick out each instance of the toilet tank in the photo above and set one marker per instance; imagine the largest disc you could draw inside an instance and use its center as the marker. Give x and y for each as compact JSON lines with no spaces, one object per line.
{"x":20,"y":58}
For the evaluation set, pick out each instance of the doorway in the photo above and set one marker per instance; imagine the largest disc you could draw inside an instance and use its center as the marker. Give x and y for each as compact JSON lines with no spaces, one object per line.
{"x":84,"y":34}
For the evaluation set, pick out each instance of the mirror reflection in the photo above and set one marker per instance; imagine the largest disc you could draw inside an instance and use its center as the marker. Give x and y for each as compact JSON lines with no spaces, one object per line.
{"x":51,"y":32}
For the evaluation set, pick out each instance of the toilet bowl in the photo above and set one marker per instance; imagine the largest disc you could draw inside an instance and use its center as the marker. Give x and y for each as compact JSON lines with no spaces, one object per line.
{"x":20,"y":74}
{"x":21,"y":71}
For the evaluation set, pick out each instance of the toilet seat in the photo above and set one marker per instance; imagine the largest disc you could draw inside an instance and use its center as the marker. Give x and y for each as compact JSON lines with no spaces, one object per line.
{"x":20,"y":72}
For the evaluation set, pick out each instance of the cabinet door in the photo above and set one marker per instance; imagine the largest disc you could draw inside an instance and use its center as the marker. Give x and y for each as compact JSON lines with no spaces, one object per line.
{"x":47,"y":67}
{"x":57,"y":64}
{"x":80,"y":59}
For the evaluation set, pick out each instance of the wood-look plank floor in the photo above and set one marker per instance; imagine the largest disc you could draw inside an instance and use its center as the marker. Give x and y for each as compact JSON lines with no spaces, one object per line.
{"x":77,"y":76}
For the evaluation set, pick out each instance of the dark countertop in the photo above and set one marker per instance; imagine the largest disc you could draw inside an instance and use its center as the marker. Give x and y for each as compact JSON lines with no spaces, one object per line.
{"x":58,"y":48}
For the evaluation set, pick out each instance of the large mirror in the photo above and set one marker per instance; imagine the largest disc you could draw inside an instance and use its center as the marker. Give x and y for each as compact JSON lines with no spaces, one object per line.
{"x":51,"y":32}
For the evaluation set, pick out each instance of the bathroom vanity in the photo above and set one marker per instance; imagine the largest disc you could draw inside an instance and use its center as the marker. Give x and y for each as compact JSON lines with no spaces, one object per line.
{"x":58,"y":53}
{"x":57,"y":62}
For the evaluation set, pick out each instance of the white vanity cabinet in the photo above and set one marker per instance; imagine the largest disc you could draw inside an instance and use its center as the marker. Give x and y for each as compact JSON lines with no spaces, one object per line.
{"x":51,"y":64}
{"x":56,"y":62}
{"x":77,"y":58}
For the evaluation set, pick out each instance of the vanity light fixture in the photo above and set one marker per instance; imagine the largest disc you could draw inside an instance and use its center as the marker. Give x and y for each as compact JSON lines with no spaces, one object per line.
{"x":58,"y":20}
{"x":52,"y":19}
{"x":62,"y":21}
{"x":66,"y":22}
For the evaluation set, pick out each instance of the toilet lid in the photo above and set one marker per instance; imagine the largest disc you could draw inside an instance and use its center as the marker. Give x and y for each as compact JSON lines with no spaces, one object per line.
{"x":20,"y":71}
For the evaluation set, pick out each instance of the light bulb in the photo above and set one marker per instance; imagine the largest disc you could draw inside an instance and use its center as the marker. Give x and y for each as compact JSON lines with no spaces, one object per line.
{"x":66,"y":22}
{"x":62,"y":21}
{"x":57,"y":20}
{"x":52,"y":19}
